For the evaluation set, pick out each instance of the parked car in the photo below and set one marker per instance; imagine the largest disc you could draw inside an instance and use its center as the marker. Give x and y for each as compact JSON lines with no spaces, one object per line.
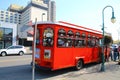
{"x":17,"y":49}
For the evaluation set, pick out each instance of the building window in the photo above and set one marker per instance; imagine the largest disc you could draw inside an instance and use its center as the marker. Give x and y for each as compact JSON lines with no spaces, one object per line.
{"x":1,"y":17}
{"x":11,"y":20}
{"x":15,"y":15}
{"x":5,"y":37}
{"x":6,"y":12}
{"x":1,"y":33}
{"x":11,"y":17}
{"x":6,"y":20}
{"x":2,"y":11}
{"x":2,"y":20}
{"x":2,"y":14}
{"x":11,"y":13}
{"x":6,"y":15}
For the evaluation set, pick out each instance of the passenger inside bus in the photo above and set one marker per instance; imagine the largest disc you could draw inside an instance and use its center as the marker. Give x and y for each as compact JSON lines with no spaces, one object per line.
{"x":61,"y":42}
{"x":48,"y":37}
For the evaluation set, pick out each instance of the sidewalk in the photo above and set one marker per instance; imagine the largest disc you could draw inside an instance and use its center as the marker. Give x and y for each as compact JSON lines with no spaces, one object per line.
{"x":112,"y":72}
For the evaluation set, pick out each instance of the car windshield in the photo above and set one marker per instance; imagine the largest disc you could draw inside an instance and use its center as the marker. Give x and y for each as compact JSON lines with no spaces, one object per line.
{"x":12,"y":47}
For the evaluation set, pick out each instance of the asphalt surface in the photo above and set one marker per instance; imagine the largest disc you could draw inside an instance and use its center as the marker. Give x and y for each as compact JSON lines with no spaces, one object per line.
{"x":112,"y":72}
{"x":17,"y":67}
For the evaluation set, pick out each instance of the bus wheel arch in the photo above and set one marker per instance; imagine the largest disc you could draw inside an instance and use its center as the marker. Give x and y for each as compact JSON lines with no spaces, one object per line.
{"x":79,"y":64}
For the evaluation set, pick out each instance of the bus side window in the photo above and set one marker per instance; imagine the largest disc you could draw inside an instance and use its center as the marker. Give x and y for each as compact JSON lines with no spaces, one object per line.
{"x":69,"y":43}
{"x":83,"y":42}
{"x":97,"y":42}
{"x":48,"y":37}
{"x":89,"y":40}
{"x":61,"y":33}
{"x":61,"y":38}
{"x":37,"y":36}
{"x":69,"y":39}
{"x":83,"y":39}
{"x":61,"y":42}
{"x":77,"y":42}
{"x":93,"y":41}
{"x":80,"y":43}
{"x":100,"y":42}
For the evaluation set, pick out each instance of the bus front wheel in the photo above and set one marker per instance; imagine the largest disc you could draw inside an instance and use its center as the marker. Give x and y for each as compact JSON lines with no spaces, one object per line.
{"x":79,"y":64}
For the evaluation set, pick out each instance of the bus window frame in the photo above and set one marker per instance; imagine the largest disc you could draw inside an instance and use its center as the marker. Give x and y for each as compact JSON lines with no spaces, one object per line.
{"x":61,"y":35}
{"x":69,"y":39}
{"x":44,"y":37}
{"x":38,"y":36}
{"x":83,"y":38}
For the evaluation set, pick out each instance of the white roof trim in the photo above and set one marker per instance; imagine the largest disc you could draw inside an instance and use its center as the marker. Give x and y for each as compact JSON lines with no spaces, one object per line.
{"x":80,"y":28}
{"x":70,"y":26}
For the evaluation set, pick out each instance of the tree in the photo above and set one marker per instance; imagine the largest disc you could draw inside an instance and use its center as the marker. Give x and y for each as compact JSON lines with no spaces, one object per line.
{"x":1,"y":35}
{"x":107,"y":40}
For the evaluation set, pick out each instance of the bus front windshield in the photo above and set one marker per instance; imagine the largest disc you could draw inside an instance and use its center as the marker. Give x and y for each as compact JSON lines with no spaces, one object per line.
{"x":48,"y":37}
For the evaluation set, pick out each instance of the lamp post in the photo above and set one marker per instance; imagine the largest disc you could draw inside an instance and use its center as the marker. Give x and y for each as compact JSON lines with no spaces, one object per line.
{"x":113,"y":21}
{"x":42,"y":16}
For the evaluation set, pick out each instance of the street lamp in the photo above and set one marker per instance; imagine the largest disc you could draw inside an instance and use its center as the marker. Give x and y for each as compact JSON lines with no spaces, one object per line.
{"x":113,"y":21}
{"x":42,"y":16}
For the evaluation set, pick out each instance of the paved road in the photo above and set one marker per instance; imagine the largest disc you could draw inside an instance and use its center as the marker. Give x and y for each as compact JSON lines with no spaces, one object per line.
{"x":15,"y":67}
{"x":18,"y":68}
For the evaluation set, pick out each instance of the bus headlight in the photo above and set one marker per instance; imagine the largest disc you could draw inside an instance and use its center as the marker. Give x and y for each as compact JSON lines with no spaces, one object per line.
{"x":47,"y":54}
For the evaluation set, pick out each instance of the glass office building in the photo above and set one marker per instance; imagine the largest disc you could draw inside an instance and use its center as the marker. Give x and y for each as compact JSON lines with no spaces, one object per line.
{"x":8,"y":34}
{"x":5,"y":37}
{"x":10,"y":17}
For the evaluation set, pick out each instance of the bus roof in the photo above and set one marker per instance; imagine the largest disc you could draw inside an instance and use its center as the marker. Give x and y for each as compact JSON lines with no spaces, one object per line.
{"x":70,"y":25}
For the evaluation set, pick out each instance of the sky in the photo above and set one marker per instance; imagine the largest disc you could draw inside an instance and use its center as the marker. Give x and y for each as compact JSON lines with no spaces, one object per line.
{"x":87,"y":13}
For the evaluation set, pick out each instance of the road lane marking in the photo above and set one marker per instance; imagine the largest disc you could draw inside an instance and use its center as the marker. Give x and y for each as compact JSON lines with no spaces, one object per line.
{"x":11,"y":60}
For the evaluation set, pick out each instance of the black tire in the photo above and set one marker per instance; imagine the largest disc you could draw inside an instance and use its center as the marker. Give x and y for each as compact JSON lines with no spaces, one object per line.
{"x":79,"y":64}
{"x":3,"y":53}
{"x":21,"y":53}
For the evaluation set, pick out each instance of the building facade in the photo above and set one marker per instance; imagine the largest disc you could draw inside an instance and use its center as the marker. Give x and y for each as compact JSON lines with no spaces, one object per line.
{"x":10,"y":17}
{"x":34,"y":9}
{"x":8,"y":34}
{"x":43,"y":10}
{"x":52,"y":10}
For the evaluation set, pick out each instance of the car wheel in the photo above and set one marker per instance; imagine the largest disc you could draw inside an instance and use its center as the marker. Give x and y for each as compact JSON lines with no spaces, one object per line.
{"x":79,"y":64}
{"x":3,"y":53}
{"x":21,"y":53}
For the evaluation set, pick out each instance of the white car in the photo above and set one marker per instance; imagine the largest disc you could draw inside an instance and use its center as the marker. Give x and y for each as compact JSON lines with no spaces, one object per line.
{"x":17,"y":49}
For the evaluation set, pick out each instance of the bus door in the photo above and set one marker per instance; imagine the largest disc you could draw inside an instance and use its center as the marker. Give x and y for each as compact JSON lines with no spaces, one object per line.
{"x":38,"y":51}
{"x":95,"y":49}
{"x":47,"y":45}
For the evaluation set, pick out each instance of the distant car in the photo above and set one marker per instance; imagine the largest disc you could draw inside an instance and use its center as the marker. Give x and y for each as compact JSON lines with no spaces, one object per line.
{"x":17,"y":49}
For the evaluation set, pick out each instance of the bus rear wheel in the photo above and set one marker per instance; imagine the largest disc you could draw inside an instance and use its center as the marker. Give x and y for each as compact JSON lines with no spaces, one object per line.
{"x":79,"y":64}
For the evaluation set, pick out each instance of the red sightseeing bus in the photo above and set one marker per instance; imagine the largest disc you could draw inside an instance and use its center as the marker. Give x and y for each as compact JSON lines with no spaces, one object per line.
{"x":62,"y":45}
